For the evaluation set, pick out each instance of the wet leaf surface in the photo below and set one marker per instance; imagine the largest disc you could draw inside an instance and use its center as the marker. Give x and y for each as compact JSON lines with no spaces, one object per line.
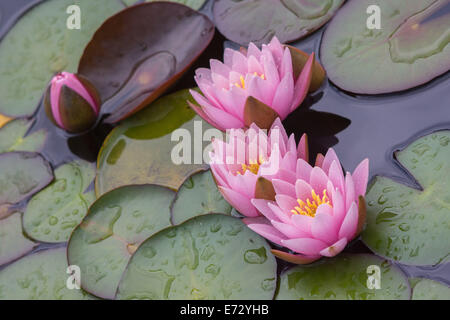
{"x":257,"y":21}
{"x":13,"y":244}
{"x":53,"y":213}
{"x":139,"y":150}
{"x":113,"y":229}
{"x":40,"y":276}
{"x":198,"y":195}
{"x":427,"y":289}
{"x":13,"y":137}
{"x":410,"y":49}
{"x":149,"y":61}
{"x":21,"y":175}
{"x":54,"y":47}
{"x":208,"y":257}
{"x":410,"y":225}
{"x":343,"y":277}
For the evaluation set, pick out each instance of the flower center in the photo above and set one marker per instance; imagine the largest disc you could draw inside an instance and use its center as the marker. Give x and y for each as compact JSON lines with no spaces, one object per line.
{"x":309,"y":207}
{"x":242,"y":80}
{"x":253,"y":166}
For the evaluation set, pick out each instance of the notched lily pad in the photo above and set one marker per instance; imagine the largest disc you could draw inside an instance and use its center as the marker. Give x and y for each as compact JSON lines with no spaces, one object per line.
{"x":40,"y":276}
{"x":410,"y":49}
{"x":113,"y":229}
{"x":149,"y":55}
{"x":13,"y":137}
{"x":409,"y":225}
{"x":13,"y":244}
{"x":53,"y":213}
{"x":43,"y":32}
{"x":22,"y":174}
{"x":198,"y":195}
{"x":344,"y":277}
{"x":142,"y":148}
{"x":427,"y":289}
{"x":258,"y":21}
{"x":208,"y":257}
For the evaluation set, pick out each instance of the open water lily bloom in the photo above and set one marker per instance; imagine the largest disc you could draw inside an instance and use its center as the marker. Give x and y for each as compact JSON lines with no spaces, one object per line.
{"x":244,"y":165}
{"x":317,"y":210}
{"x":251,"y":86}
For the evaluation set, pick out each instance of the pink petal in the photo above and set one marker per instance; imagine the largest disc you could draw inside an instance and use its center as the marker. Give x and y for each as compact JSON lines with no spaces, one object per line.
{"x":303,"y":170}
{"x":276,"y":49}
{"x":323,"y":226}
{"x":302,"y":222}
{"x":282,"y":99}
{"x":349,"y":191}
{"x":239,"y":63}
{"x":228,"y":57}
{"x":289,"y":161}
{"x":286,"y":64}
{"x":350,"y":223}
{"x":306,"y":246}
{"x":222,"y":118}
{"x":285,"y":202}
{"x":302,"y":149}
{"x":238,"y":201}
{"x":203,"y":74}
{"x":338,"y":206}
{"x":336,"y":176}
{"x":335,"y":248}
{"x":268,"y":232}
{"x":302,"y":84}
{"x":283,"y":187}
{"x":294,"y":258}
{"x":286,"y":175}
{"x":319,"y":160}
{"x":256,"y":220}
{"x":262,"y":206}
{"x":279,"y":213}
{"x":205,"y":117}
{"x":303,"y":190}
{"x":254,"y":66}
{"x":318,"y":180}
{"x":361,"y":177}
{"x":253,"y":51}
{"x":289,"y":230}
{"x":328,"y":160}
{"x":219,"y":68}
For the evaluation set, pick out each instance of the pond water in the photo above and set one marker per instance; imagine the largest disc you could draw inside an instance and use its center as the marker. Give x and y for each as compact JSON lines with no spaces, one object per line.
{"x":356,"y":126}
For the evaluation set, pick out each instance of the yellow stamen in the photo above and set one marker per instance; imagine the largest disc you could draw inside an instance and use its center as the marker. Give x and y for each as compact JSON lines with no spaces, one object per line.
{"x":310,"y":207}
{"x":242,"y":84}
{"x":253,"y":166}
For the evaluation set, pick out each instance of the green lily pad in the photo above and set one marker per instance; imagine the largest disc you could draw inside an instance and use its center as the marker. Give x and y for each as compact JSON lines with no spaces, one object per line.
{"x":409,"y":49}
{"x":258,"y":21}
{"x":13,"y":244}
{"x":208,"y":257}
{"x":198,"y":195}
{"x":194,"y":4}
{"x":139,"y":150}
{"x":344,"y":277}
{"x":22,"y":174}
{"x":409,"y":225}
{"x":43,"y":32}
{"x":53,"y":213}
{"x":427,"y":289}
{"x":40,"y":276}
{"x":12,"y":137}
{"x":111,"y":232}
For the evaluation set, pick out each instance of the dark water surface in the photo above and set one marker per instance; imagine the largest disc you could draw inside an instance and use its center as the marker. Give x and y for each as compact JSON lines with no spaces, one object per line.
{"x":357,"y":127}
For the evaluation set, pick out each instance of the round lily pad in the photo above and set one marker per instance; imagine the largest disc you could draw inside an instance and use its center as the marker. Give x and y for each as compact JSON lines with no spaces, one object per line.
{"x":22,"y":174}
{"x":409,"y":49}
{"x":53,"y":213}
{"x":198,"y":195}
{"x":194,"y":4}
{"x":13,"y":137}
{"x":41,"y":44}
{"x":258,"y":21}
{"x":142,"y":148}
{"x":149,"y":55}
{"x":111,"y":232}
{"x":208,"y":257}
{"x":345,"y":277}
{"x":40,"y":276}
{"x":427,"y":289}
{"x":13,"y":244}
{"x":409,"y":225}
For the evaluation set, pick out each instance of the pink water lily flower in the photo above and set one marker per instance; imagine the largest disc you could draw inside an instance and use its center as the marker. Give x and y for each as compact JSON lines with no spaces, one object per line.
{"x":244,"y":165}
{"x":317,"y":210}
{"x":251,"y":86}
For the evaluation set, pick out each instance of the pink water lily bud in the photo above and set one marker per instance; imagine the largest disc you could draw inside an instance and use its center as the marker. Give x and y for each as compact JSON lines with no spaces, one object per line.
{"x":72,"y":102}
{"x":252,"y":86}
{"x":245,"y":164}
{"x":317,"y":210}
